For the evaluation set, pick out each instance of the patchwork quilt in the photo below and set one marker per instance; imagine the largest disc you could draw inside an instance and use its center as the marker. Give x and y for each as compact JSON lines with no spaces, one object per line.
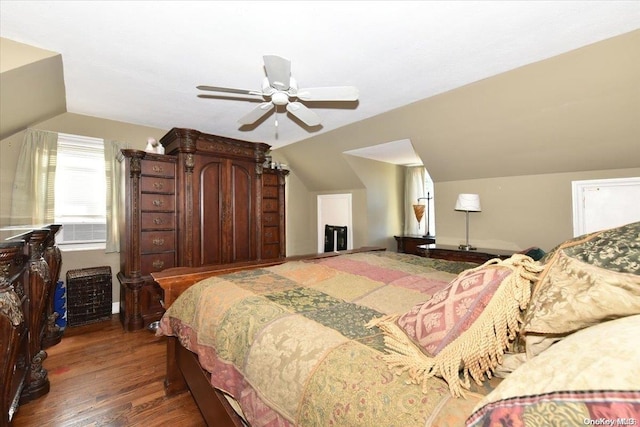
{"x":291,"y":345}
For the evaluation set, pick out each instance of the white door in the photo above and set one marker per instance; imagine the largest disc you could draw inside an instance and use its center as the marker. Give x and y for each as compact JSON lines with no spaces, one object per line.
{"x":605,"y":203}
{"x":334,"y":209}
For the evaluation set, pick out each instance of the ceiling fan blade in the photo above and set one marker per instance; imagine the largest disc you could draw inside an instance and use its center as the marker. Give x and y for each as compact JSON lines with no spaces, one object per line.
{"x":231,"y":97}
{"x":278,"y":71}
{"x":335,"y":93}
{"x":300,"y":111}
{"x":255,"y":114}
{"x":229,"y":90}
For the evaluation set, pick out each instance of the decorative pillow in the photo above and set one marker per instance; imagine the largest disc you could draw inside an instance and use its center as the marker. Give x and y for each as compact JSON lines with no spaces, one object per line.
{"x":436,"y":323}
{"x":467,"y":326}
{"x":576,"y":295}
{"x":616,"y":249}
{"x":591,"y":375}
{"x":586,"y":280}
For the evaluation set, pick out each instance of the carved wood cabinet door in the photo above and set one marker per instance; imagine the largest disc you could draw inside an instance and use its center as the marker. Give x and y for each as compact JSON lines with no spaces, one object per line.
{"x":223,"y":211}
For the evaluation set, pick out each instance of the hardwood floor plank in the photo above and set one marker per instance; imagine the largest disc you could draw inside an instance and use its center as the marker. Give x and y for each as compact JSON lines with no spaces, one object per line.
{"x":101,"y":376}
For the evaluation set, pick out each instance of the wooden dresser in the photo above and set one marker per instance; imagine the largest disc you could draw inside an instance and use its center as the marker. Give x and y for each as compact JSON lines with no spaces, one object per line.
{"x":209,"y":201}
{"x":29,"y":269}
{"x":148,"y":235}
{"x":273,"y":219}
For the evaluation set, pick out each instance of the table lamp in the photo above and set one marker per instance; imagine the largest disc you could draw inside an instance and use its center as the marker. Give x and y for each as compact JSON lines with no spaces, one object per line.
{"x":468,"y":203}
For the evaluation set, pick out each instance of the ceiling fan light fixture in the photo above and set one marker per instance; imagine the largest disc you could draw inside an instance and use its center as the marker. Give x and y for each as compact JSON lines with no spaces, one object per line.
{"x":280,"y":98}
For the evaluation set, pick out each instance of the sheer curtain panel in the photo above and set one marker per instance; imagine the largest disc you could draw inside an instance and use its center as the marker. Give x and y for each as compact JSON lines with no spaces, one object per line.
{"x":113,"y":168}
{"x":33,"y":198}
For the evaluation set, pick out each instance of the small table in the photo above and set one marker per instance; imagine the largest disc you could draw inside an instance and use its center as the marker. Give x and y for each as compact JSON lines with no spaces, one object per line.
{"x":453,"y":253}
{"x":408,"y":243}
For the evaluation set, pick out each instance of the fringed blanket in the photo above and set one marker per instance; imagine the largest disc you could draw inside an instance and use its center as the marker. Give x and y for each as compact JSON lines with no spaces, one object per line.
{"x":291,"y":344}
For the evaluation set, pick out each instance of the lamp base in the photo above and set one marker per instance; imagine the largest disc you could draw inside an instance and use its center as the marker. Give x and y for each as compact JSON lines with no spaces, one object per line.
{"x":466,"y":248}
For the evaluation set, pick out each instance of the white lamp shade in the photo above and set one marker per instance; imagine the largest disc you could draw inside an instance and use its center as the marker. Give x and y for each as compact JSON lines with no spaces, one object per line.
{"x":468,"y":202}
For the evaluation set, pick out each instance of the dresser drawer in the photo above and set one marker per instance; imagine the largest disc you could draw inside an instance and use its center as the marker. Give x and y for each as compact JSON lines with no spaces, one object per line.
{"x":269,"y":205}
{"x":270,"y":192}
{"x":153,"y":168}
{"x":157,"y":241}
{"x":271,"y":251}
{"x":152,"y":184}
{"x":271,"y":234}
{"x":271,"y":218}
{"x":158,"y":221}
{"x":157,"y":202}
{"x":150,"y":263}
{"x":270,"y":179}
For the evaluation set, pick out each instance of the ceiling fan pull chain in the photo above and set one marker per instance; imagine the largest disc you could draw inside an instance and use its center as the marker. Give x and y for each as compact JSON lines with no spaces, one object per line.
{"x":276,"y":129}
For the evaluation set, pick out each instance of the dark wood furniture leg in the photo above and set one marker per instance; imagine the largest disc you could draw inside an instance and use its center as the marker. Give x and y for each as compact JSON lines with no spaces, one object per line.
{"x":174,"y":382}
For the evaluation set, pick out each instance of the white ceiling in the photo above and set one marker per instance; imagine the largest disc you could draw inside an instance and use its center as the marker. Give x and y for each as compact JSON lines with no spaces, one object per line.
{"x":399,"y":152}
{"x":140,"y":61}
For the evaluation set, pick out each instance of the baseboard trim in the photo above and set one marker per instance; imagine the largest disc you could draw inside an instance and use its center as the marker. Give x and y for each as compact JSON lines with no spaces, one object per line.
{"x":115,"y":308}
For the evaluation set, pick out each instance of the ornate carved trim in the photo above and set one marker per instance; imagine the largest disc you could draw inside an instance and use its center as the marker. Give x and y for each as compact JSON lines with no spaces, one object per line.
{"x":189,"y":162}
{"x":10,"y":307}
{"x":38,"y":373}
{"x":282,"y":174}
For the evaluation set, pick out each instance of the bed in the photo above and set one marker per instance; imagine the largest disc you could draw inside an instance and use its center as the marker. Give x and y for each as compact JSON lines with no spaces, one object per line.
{"x":352,"y":338}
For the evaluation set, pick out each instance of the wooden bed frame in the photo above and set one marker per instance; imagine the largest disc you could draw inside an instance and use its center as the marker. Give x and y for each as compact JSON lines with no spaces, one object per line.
{"x":184,"y":372}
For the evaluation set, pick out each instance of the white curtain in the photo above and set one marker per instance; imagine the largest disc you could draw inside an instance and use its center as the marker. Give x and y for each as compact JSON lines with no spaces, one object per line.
{"x":34,"y":184}
{"x":414,"y":187}
{"x":113,"y":168}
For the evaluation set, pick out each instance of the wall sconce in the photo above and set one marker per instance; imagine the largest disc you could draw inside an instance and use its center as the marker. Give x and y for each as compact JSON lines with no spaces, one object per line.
{"x":468,"y":203}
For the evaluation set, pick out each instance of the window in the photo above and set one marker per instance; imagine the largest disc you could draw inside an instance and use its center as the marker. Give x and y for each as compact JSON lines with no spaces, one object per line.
{"x":80,"y":189}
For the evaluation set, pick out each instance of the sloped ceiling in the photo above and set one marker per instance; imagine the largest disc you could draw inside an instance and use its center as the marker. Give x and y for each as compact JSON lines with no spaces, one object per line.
{"x":139,"y":61}
{"x":32,"y":86}
{"x":575,"y":112}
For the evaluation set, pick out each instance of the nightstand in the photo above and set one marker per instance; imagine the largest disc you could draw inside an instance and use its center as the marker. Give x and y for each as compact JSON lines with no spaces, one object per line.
{"x":453,"y":253}
{"x":408,"y":243}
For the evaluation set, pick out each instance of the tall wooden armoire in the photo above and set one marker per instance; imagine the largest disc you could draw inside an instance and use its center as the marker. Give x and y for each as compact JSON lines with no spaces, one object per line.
{"x":227,"y":208}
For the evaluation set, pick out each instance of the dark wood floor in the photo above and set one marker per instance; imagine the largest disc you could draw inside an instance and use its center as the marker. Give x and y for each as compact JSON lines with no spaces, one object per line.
{"x":103,"y":376}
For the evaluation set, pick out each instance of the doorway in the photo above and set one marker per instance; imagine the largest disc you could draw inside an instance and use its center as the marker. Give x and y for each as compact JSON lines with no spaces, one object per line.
{"x":334,"y":209}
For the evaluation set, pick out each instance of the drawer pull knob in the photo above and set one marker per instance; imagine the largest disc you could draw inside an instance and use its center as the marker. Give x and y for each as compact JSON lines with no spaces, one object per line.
{"x":158,"y":185}
{"x":158,"y":241}
{"x":157,"y":168}
{"x":158,"y":263}
{"x":157,"y":203}
{"x":158,"y":221}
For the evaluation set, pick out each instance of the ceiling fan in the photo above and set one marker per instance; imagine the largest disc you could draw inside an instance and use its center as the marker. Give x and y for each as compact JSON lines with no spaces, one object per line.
{"x":279,"y":89}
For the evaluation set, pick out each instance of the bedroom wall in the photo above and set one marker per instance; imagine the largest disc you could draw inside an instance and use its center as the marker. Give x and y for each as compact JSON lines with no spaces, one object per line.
{"x":376,"y":205}
{"x":517,"y":212}
{"x":135,"y":135}
{"x":383,"y":192}
{"x":518,"y":139}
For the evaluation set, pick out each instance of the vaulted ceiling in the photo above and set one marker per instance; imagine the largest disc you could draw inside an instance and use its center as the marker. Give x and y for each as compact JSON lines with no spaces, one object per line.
{"x":140,"y":61}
